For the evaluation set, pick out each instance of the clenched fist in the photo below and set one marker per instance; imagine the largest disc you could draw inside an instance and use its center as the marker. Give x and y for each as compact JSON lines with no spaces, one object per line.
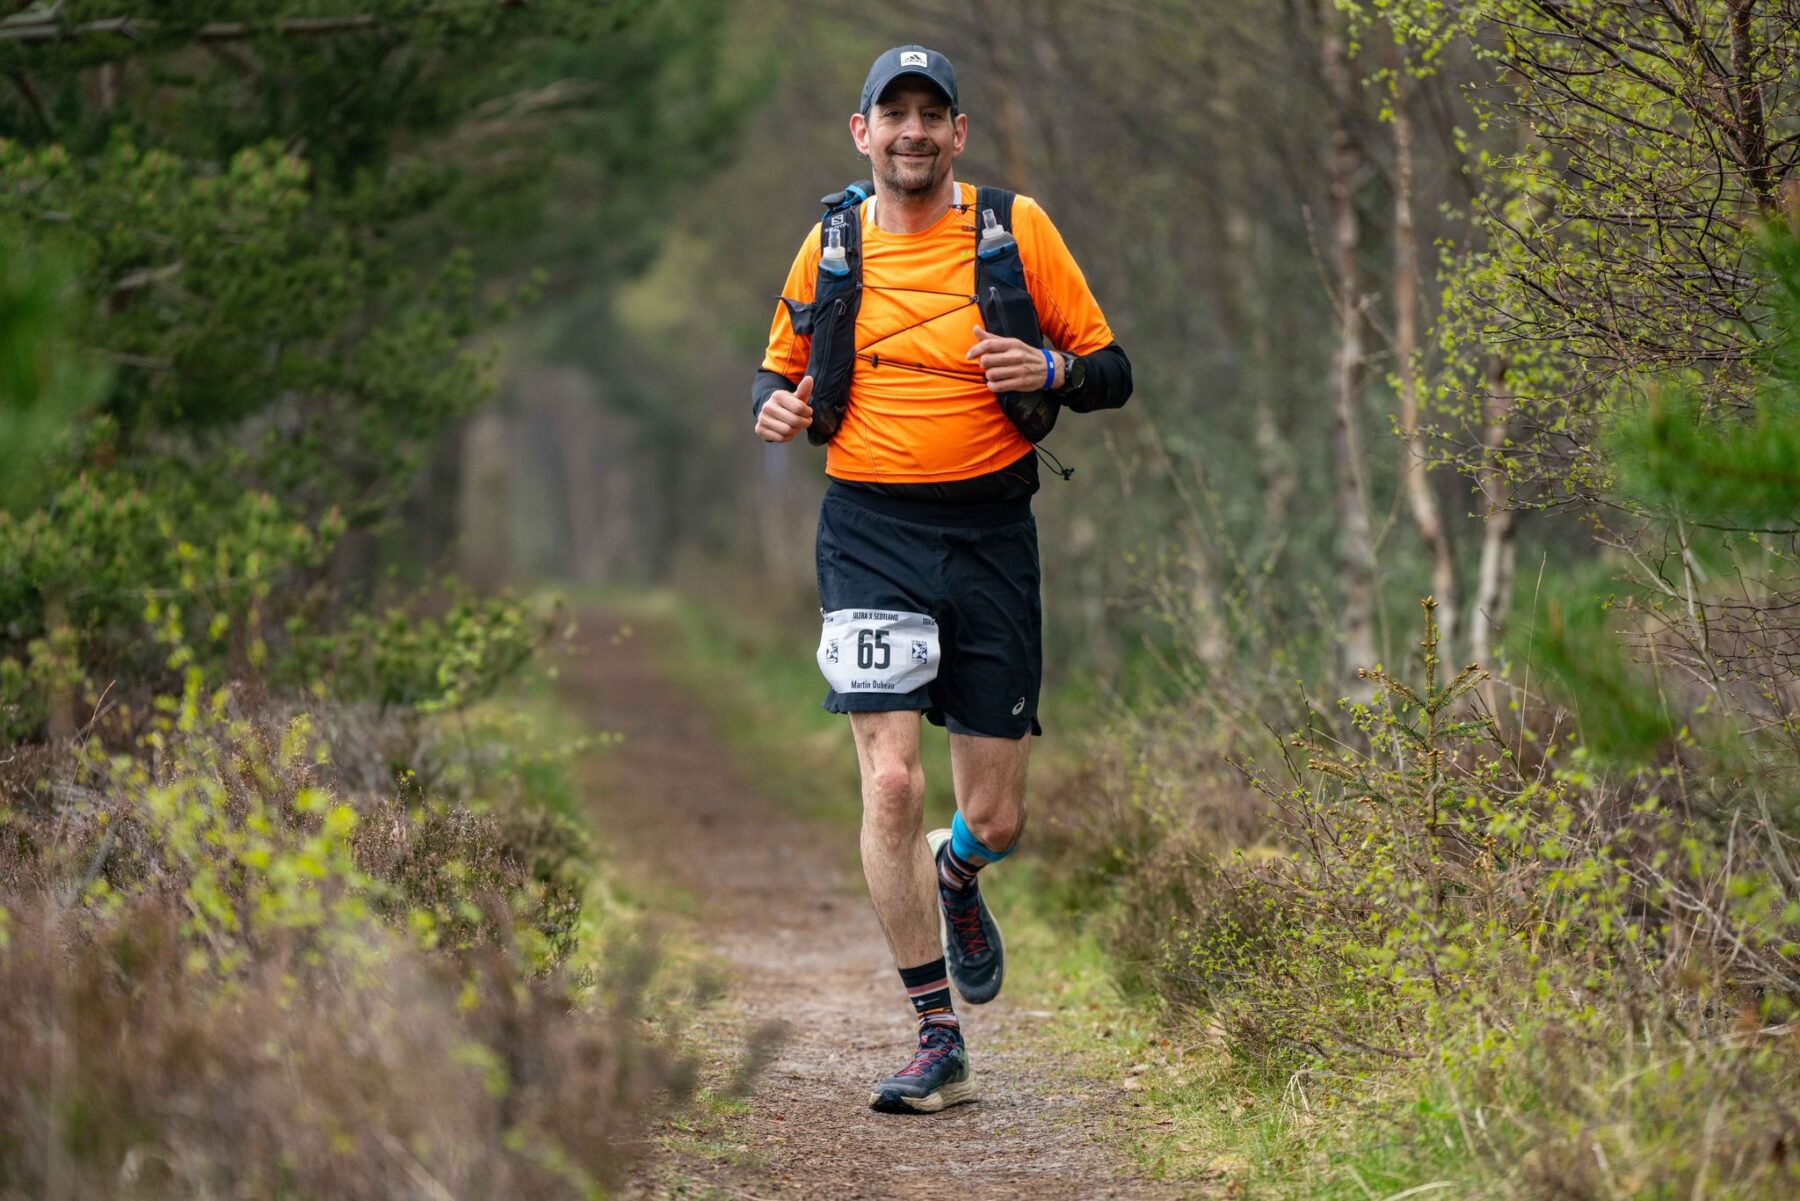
{"x":785,"y":414}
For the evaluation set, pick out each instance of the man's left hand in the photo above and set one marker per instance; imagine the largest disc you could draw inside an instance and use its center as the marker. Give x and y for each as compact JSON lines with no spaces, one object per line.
{"x":1011,"y":365}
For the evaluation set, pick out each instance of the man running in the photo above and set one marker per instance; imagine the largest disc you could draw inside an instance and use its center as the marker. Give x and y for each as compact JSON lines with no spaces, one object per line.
{"x":927,"y":549}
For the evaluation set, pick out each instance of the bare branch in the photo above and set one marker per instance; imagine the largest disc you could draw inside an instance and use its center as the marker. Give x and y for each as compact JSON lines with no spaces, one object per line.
{"x":40,"y":28}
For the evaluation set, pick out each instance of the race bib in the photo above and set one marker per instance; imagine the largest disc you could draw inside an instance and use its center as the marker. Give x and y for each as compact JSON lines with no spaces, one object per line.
{"x":878,"y":650}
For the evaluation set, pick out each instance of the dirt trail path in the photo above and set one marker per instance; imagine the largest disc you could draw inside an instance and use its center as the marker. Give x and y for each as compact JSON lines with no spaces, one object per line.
{"x":782,"y":904}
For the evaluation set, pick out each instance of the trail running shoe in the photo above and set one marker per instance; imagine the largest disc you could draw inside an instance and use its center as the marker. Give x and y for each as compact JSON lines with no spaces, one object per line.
{"x":938,"y":1076}
{"x":973,"y":950}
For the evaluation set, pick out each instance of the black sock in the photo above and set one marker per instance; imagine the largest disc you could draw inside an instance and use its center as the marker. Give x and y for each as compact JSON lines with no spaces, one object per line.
{"x":928,"y":987}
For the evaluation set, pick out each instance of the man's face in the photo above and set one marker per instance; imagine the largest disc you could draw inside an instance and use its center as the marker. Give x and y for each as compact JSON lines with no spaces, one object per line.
{"x":910,"y":137}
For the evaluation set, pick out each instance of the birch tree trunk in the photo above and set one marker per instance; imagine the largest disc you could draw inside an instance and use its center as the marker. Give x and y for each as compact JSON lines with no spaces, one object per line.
{"x":1499,"y":520}
{"x":1493,"y":589}
{"x":1356,"y":552}
{"x":1414,"y":478}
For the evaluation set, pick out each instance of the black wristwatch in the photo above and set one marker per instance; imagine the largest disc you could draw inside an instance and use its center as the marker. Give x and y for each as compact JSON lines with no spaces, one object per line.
{"x":1074,"y":372}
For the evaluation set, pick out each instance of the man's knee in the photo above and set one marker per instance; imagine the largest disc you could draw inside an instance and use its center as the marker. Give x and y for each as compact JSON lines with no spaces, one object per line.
{"x":998,"y":826}
{"x":894,"y":796}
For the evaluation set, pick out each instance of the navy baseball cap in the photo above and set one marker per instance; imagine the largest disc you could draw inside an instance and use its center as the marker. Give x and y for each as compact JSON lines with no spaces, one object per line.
{"x":909,"y":60}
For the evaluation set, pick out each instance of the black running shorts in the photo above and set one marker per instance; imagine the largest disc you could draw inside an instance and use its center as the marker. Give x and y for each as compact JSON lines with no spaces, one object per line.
{"x":973,"y":569}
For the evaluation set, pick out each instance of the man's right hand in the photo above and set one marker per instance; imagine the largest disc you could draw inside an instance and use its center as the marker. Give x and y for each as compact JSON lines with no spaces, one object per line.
{"x":785,"y":414}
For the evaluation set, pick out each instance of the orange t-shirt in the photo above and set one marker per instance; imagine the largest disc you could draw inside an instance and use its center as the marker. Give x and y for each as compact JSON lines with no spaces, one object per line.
{"x":919,"y":411}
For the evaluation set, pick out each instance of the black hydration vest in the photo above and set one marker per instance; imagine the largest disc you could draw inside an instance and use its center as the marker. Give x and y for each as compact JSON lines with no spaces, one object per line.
{"x":1000,"y":295}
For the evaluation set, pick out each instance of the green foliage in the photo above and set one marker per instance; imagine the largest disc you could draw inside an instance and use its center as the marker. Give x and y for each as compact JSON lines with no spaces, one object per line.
{"x":254,"y":257}
{"x":1433,"y":880}
{"x":227,"y":289}
{"x":277,"y":227}
{"x":294,"y":975}
{"x":44,"y":384}
{"x":1611,"y":231}
{"x":1682,"y":645}
{"x":231,"y":820}
{"x":255,"y":411}
{"x":429,"y":664}
{"x":236,"y":815}
{"x":1682,"y":457}
{"x":1424,"y":32}
{"x":1626,"y":719}
{"x":139,"y":591}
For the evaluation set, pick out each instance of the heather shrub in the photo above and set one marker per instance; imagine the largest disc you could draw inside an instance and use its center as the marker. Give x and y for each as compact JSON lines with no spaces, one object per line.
{"x":1129,"y":832}
{"x":240,"y":972}
{"x":388,"y":1074}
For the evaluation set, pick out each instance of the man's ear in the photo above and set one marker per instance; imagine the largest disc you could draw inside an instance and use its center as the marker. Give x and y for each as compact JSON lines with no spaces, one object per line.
{"x":859,"y":133}
{"x":962,"y":133}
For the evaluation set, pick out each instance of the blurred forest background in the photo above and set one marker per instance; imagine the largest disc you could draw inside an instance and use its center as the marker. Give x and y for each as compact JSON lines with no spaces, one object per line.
{"x":330,"y":329}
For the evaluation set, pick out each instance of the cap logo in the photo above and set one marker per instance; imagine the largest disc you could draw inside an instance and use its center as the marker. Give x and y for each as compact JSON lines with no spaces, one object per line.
{"x":912,"y":58}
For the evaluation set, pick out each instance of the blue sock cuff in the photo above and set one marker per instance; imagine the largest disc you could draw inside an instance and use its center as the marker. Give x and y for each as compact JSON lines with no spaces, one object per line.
{"x":969,"y":848}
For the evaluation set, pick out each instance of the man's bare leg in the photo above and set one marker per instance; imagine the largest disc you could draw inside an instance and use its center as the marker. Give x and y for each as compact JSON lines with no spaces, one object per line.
{"x":989,"y":775}
{"x":990,"y":798}
{"x":896,"y":863}
{"x":902,"y":884}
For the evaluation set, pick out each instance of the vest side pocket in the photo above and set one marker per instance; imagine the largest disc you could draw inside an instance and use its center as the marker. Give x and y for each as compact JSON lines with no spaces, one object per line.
{"x":830,"y":368}
{"x":1007,"y":310}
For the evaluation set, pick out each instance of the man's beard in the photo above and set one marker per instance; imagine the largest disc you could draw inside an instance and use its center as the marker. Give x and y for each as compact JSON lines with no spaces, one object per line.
{"x":904,"y":180}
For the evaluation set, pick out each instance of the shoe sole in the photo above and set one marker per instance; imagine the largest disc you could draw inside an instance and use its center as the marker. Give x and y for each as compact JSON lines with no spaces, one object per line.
{"x":951,"y":1094}
{"x":934,"y":840}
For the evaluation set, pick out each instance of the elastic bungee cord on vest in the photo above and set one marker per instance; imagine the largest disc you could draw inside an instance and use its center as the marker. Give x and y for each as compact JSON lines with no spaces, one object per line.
{"x":995,"y":243}
{"x":1048,"y":458}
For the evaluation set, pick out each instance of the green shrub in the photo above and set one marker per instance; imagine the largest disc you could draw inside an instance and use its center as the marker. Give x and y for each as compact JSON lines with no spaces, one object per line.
{"x":1484,"y":948}
{"x":1430,"y":881}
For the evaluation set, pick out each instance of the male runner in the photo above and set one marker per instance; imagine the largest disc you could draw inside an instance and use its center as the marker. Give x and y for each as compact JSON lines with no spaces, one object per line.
{"x":927,"y":549}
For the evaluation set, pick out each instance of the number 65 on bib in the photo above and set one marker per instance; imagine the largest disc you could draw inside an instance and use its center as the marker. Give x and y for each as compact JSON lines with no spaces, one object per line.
{"x":878,"y":650}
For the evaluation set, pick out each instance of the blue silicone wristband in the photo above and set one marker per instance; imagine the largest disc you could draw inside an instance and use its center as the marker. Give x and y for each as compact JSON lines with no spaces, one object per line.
{"x":1049,"y":370}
